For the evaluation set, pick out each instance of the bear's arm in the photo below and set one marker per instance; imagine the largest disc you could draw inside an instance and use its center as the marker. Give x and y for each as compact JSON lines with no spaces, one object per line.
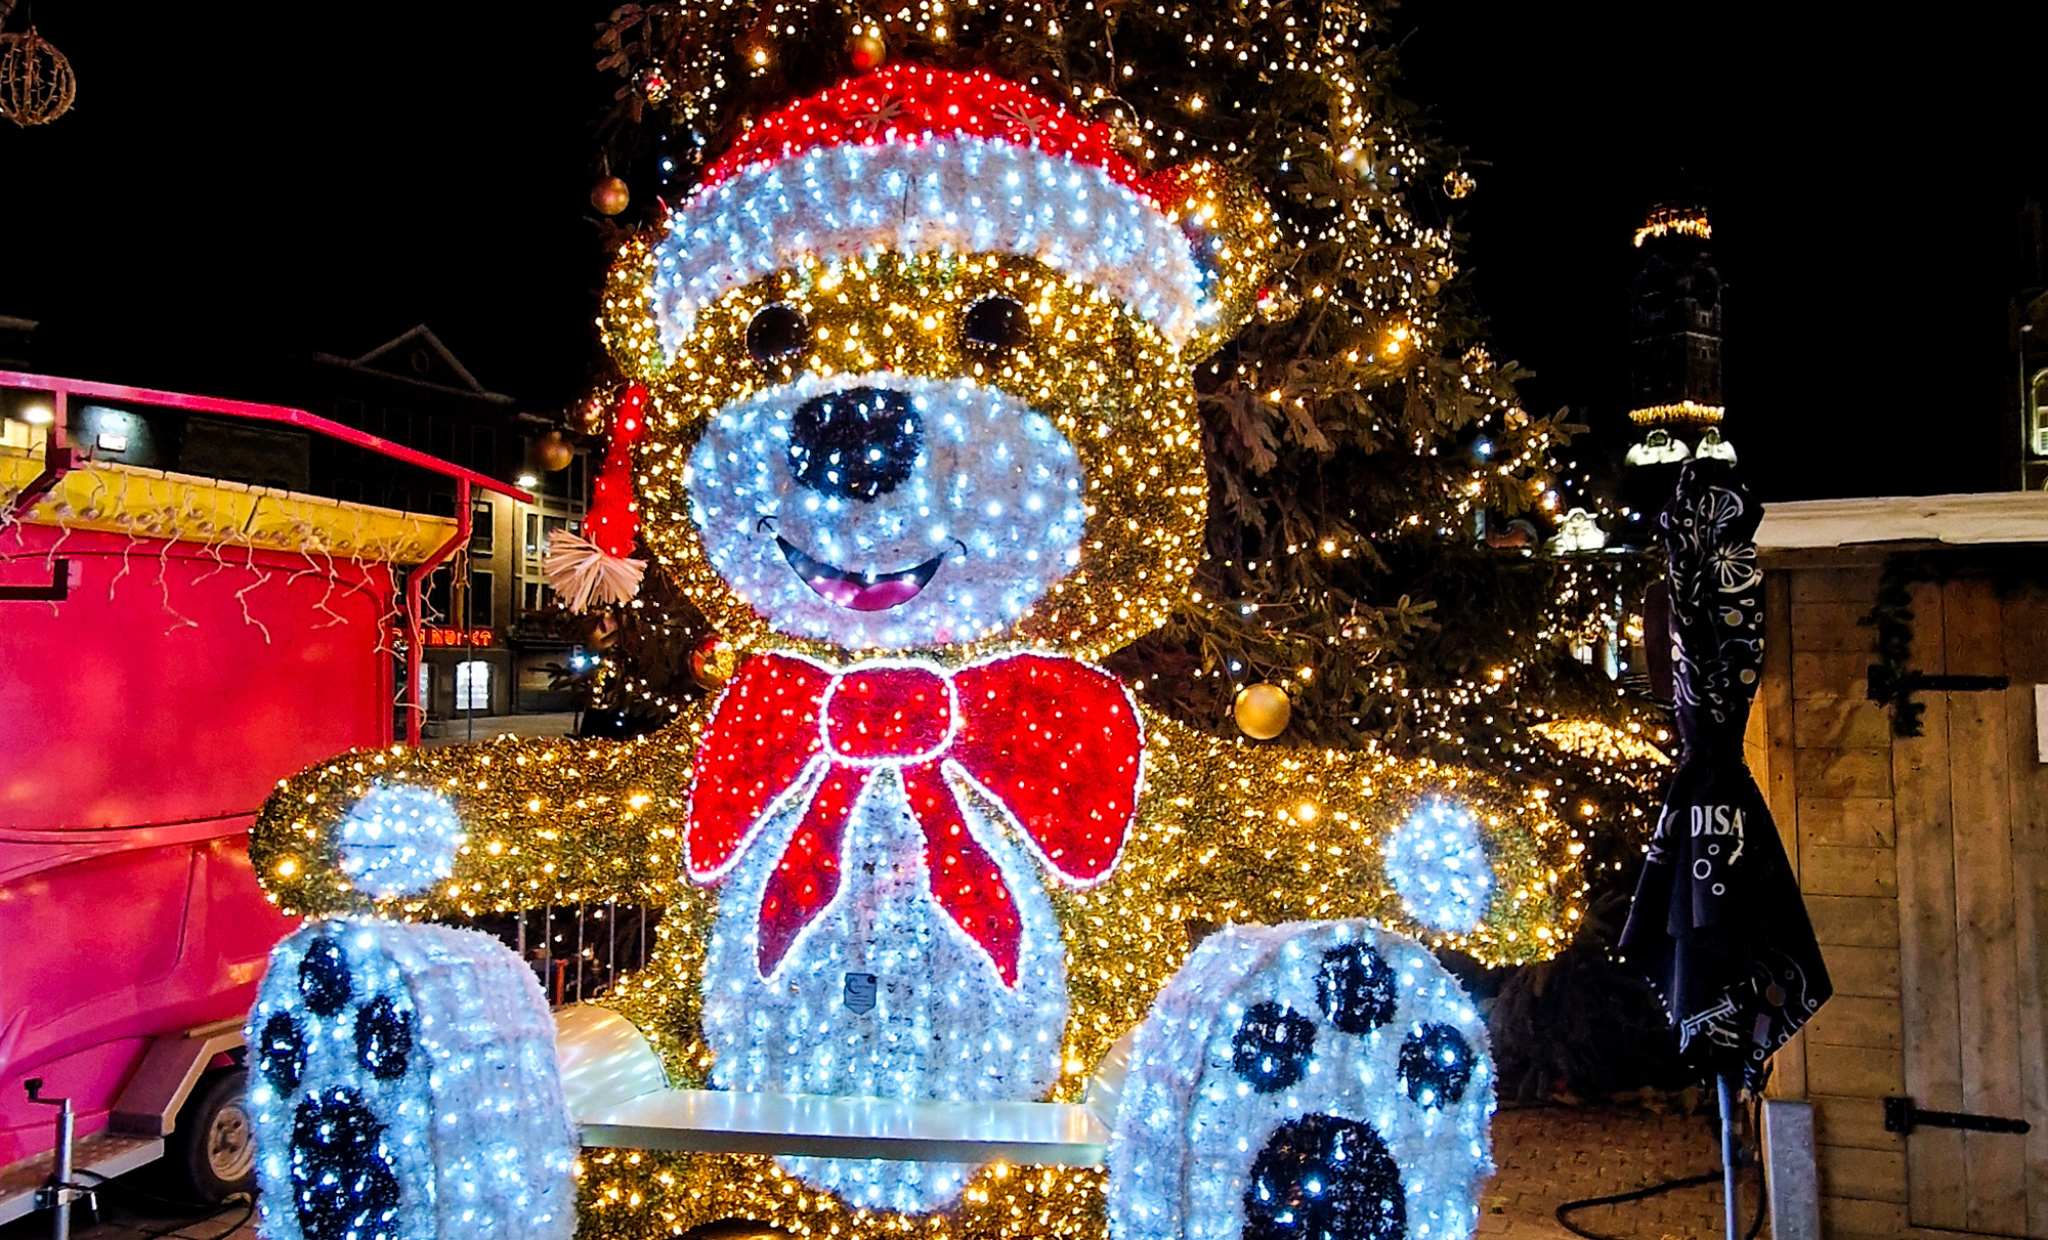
{"x":1234,"y":831}
{"x":545,"y":821}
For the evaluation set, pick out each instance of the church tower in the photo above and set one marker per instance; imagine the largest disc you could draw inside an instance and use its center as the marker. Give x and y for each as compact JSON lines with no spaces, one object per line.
{"x":1675,"y":324}
{"x":1675,"y":403}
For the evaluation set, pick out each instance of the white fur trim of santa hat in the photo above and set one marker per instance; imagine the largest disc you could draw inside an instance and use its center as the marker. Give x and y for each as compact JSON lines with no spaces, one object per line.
{"x":1010,"y":174}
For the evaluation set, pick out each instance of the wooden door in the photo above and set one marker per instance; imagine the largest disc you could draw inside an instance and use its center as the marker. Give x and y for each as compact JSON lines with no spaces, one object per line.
{"x":1972,"y":824}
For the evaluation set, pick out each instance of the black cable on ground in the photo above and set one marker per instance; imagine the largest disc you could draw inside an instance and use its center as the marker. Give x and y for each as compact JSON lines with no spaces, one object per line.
{"x":1653,"y":1190}
{"x":121,"y":1186}
{"x":1756,"y":1223}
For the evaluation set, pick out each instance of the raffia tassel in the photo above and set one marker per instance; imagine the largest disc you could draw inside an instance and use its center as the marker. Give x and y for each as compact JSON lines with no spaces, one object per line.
{"x":582,"y":573}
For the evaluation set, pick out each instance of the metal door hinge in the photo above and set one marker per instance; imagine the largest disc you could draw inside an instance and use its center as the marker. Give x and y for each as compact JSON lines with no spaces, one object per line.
{"x":1901,"y":1116}
{"x":1886,"y":685}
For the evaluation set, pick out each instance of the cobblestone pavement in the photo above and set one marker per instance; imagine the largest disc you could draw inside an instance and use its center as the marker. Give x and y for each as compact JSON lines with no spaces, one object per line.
{"x":1550,"y":1155}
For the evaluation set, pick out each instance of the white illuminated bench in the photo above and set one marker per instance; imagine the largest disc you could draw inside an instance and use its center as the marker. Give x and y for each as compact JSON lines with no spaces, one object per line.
{"x":618,"y":1096}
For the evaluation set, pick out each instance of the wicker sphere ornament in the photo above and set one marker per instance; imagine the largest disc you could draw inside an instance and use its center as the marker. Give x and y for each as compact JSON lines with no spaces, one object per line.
{"x":610,"y":196}
{"x":1262,"y":711}
{"x":553,"y":452}
{"x":36,"y":82}
{"x":713,"y":662}
{"x":1458,"y":183}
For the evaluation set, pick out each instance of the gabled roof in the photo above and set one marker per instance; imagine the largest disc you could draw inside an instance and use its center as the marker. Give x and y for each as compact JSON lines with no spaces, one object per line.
{"x":418,"y":356}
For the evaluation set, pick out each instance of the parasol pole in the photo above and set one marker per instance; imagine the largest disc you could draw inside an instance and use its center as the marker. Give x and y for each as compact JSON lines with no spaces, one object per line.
{"x":1726,"y":1082}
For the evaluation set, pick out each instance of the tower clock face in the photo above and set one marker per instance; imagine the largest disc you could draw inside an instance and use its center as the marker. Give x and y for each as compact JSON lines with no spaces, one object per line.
{"x":1702,"y":284}
{"x":1655,"y":295}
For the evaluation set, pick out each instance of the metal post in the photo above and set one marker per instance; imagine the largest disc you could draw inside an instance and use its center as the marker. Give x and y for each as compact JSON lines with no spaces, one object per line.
{"x":415,"y":582}
{"x":1727,"y":1085}
{"x":1792,"y":1178}
{"x":60,"y":1194}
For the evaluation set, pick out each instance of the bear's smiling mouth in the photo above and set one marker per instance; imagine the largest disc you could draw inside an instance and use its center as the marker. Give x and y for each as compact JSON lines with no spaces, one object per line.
{"x":859,"y":591}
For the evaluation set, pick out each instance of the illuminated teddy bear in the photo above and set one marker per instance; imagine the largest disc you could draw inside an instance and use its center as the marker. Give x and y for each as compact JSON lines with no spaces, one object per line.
{"x":918,"y":435}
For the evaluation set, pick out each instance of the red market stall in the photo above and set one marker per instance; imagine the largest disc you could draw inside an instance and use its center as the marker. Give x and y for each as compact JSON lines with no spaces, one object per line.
{"x":170,"y":646}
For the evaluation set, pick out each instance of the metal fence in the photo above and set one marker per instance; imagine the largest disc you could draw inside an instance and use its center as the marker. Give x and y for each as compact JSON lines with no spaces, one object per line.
{"x":576,"y":950}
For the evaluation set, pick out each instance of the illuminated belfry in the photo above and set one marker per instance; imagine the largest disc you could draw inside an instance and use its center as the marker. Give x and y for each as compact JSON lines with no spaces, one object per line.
{"x":1675,"y":335}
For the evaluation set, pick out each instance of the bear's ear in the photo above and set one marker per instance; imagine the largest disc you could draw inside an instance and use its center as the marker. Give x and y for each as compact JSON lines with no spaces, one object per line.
{"x":1235,"y":236}
{"x":626,"y":321}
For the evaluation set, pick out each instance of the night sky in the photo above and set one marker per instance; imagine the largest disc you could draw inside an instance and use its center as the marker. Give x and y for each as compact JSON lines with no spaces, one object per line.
{"x":240,"y":180}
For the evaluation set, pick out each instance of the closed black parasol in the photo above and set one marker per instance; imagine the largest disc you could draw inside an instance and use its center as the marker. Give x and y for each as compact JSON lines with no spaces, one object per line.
{"x":1718,"y":924}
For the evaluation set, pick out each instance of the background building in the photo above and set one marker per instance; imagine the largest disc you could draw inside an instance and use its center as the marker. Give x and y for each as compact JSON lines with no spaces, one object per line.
{"x":493,"y":630}
{"x":2027,"y":463}
{"x":495,"y":635}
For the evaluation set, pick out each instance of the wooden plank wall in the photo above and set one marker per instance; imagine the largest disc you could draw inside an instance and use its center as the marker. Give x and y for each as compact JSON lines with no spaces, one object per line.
{"x":1925,"y":867}
{"x":2026,"y":662}
{"x":1840,"y":827}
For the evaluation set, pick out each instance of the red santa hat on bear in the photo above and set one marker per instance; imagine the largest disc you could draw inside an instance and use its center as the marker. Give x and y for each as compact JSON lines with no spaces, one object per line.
{"x":913,"y":160}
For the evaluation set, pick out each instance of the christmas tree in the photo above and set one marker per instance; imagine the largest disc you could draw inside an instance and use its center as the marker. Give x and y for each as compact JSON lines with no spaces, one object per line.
{"x":1389,"y":564}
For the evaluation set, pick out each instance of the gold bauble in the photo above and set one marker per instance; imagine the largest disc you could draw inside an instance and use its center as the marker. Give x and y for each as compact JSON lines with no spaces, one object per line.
{"x":713,"y":662}
{"x":866,"y":50}
{"x":1262,"y":711}
{"x":1458,"y":183}
{"x":610,"y":196}
{"x":553,"y":452}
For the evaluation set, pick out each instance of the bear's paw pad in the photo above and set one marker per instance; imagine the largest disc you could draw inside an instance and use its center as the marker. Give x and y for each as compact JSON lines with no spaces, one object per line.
{"x":1314,"y":1081}
{"x":405,"y":1088}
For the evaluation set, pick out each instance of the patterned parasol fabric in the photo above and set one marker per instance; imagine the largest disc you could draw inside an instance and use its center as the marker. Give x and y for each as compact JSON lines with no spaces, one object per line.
{"x":1718,"y":925}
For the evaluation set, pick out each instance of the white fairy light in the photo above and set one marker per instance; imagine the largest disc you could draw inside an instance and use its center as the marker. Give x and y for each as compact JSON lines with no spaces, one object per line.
{"x":399,"y":840}
{"x":964,"y":195}
{"x":1438,"y":863}
{"x":403,"y":1087}
{"x":1389,"y":1051}
{"x":1000,"y":536}
{"x":942,"y":1024}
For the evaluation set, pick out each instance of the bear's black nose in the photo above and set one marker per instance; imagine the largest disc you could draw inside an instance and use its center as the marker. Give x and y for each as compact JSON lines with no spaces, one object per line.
{"x":861,"y":443}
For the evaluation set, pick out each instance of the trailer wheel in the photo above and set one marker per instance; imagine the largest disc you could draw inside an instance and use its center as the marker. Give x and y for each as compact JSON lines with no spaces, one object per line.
{"x":212,"y":1151}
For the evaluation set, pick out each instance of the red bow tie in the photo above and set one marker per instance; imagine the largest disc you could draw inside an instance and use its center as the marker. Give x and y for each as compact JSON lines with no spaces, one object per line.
{"x":1053,"y":742}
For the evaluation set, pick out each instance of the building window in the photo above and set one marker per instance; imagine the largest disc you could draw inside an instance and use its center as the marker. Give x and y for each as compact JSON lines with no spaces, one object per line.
{"x":473,"y":685}
{"x":482,"y":526}
{"x":2038,"y":407}
{"x":480,"y":585}
{"x":533,"y":536}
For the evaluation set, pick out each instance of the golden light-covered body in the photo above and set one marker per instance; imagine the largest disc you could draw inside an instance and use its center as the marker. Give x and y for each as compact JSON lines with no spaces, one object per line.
{"x":1229,"y":831}
{"x":920,"y":460}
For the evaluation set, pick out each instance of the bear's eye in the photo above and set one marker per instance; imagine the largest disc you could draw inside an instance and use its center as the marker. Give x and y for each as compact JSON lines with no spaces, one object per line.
{"x":993,"y":324}
{"x":777,"y":333}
